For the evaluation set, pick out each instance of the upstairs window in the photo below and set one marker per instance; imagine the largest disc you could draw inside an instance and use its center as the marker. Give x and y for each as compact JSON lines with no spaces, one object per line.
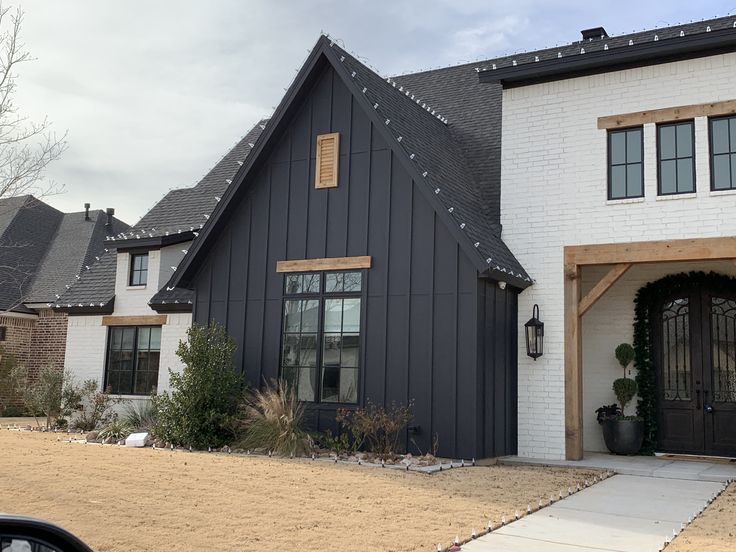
{"x":320,"y":341}
{"x":676,"y":158}
{"x":138,"y":269}
{"x":723,"y":153}
{"x":625,"y":163}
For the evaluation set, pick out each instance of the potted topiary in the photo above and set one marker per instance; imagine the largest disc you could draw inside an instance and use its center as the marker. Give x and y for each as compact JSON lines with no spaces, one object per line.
{"x":622,"y":434}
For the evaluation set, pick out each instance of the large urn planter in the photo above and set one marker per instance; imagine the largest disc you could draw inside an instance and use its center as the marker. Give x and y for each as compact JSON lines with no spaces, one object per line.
{"x":623,"y":436}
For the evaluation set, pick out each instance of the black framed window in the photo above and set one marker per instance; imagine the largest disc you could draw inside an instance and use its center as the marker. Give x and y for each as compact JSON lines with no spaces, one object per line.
{"x":320,"y":343}
{"x":133,"y":354}
{"x":3,"y":332}
{"x":138,"y":269}
{"x":625,"y":163}
{"x":722,"y":153}
{"x":676,"y":158}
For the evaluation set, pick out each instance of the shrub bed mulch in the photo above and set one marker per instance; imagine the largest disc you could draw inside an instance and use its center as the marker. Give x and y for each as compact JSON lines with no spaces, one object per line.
{"x":149,"y":499}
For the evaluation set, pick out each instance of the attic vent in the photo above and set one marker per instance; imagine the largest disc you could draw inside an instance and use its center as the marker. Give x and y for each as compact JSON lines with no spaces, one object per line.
{"x":594,"y":33}
{"x":328,"y":155}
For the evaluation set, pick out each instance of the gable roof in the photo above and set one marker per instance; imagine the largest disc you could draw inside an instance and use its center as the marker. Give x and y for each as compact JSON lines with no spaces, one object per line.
{"x":424,"y":145}
{"x":181,"y":213}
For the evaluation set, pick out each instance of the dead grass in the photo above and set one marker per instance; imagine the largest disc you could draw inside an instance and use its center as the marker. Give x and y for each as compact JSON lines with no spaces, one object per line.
{"x":712,"y":531}
{"x":119,"y":499}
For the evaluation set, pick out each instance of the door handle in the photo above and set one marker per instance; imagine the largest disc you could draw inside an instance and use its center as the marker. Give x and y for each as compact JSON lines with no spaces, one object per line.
{"x":708,"y":408}
{"x":697,"y":399}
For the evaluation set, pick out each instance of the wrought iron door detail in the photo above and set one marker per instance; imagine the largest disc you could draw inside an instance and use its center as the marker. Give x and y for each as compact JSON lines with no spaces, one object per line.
{"x":723,"y":347}
{"x":676,"y":350}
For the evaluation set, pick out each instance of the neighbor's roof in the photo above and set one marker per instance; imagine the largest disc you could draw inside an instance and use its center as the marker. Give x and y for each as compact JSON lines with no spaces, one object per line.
{"x":179,"y":211}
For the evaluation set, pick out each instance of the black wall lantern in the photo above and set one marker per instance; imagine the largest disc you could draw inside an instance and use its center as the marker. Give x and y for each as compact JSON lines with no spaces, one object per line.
{"x":534,"y":335}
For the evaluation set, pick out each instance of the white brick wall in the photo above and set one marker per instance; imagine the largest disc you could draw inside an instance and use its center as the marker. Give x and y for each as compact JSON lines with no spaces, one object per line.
{"x":554,"y":193}
{"x":87,"y":337}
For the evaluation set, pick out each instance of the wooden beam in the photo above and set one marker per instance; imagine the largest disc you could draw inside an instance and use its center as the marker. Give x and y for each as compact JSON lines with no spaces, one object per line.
{"x":573,"y":366}
{"x":698,"y":249}
{"x":668,"y":114}
{"x":148,"y":320}
{"x":602,"y":286}
{"x":333,"y":263}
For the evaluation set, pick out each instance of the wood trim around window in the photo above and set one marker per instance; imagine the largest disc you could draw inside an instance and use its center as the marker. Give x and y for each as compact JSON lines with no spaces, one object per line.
{"x":668,"y":114}
{"x":332,"y":263}
{"x":146,"y":320}
{"x":328,"y":157}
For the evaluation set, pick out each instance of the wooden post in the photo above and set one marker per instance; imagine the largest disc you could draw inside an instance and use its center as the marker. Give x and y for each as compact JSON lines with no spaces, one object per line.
{"x":573,"y":365}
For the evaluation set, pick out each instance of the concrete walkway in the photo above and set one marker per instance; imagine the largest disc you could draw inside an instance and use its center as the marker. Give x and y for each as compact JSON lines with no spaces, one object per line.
{"x":652,"y":466}
{"x":621,"y":514}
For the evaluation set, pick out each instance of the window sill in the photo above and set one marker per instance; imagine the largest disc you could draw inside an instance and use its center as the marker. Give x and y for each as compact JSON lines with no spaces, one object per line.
{"x":131,"y":397}
{"x":722,"y":192}
{"x":668,"y":197}
{"x":136,"y":287}
{"x":625,"y":200}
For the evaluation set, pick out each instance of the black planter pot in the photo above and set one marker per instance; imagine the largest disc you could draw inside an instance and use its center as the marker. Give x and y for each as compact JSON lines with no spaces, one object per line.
{"x":623,"y":436}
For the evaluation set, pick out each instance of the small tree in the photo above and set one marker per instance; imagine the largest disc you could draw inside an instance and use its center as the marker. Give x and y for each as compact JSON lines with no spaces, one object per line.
{"x":624,"y":388}
{"x":93,"y":406}
{"x":199,"y":411}
{"x":52,"y":394}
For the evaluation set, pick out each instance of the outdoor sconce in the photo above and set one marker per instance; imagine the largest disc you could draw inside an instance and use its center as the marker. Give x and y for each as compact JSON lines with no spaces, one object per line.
{"x":534,"y":335}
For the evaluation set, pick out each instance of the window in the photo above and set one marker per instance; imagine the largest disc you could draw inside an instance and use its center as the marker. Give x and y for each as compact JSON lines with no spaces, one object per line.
{"x":320,"y":345}
{"x":133,"y":354}
{"x":723,"y":153}
{"x":3,"y":332}
{"x":138,"y":269}
{"x":328,"y":157}
{"x":676,"y":158}
{"x":625,"y":163}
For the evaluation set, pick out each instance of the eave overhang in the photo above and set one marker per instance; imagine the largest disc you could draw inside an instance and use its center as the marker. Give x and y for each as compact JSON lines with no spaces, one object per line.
{"x":624,"y":57}
{"x":155,"y":242}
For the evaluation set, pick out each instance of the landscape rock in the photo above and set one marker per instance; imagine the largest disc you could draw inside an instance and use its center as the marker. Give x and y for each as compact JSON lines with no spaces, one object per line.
{"x":92,"y":437}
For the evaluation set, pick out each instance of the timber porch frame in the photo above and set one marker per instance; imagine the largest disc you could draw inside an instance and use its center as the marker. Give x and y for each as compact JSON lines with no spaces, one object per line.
{"x":622,"y":256}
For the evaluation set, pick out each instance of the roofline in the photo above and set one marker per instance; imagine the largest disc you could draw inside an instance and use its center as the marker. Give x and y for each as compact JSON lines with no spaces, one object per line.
{"x":171,"y":307}
{"x":624,"y":57}
{"x":154,"y":242}
{"x":107,"y":308}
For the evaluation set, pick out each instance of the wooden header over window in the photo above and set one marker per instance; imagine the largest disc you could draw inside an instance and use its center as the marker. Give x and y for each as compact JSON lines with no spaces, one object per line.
{"x":333,"y":263}
{"x":668,"y":114}
{"x":147,"y":320}
{"x":328,"y":156}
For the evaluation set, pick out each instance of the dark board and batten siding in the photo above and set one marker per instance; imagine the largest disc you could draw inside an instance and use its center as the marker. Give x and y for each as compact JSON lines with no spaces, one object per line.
{"x":422,"y":299}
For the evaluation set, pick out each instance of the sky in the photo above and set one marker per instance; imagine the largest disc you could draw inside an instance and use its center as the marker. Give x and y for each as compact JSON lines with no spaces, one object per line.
{"x":153,"y":93}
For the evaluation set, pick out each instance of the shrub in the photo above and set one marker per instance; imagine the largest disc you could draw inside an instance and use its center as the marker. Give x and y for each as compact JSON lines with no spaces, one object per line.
{"x":9,"y":395}
{"x":340,"y":443}
{"x":625,"y":389}
{"x":203,"y":402}
{"x":42,"y":396}
{"x":141,"y":415}
{"x":115,"y":430}
{"x":625,"y":355}
{"x":377,"y":427}
{"x":273,"y":419}
{"x":608,"y":412}
{"x":94,"y":407}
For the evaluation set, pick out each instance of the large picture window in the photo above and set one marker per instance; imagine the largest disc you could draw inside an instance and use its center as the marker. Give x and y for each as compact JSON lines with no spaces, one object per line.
{"x":133,"y":354}
{"x":676,"y":158}
{"x":625,"y":163}
{"x":723,"y":153}
{"x":320,"y":345}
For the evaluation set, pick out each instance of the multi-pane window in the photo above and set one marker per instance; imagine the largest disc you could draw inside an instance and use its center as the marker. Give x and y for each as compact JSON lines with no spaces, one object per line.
{"x":133,"y":354}
{"x":676,"y":158}
{"x":723,"y":153}
{"x":625,"y":163}
{"x":138,"y":269}
{"x":320,"y":353}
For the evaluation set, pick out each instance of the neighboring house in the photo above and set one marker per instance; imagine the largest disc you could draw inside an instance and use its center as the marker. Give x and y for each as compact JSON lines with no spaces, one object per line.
{"x":42,"y":252}
{"x":359,"y":255}
{"x":124,"y":323}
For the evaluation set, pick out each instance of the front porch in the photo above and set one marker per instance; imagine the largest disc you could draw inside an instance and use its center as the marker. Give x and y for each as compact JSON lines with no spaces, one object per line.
{"x":601,"y":282}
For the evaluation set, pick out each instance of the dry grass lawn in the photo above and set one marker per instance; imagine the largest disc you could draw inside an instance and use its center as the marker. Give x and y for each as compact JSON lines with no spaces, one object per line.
{"x":712,"y":531}
{"x":119,"y":499}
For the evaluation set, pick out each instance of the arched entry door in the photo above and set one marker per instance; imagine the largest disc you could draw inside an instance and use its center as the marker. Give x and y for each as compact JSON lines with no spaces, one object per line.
{"x":695,"y":356}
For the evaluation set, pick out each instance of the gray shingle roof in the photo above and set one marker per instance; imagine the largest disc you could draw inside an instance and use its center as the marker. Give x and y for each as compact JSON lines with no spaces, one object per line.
{"x":178,"y":211}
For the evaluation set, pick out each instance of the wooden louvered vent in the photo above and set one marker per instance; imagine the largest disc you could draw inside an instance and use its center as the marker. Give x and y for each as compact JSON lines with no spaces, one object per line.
{"x":328,"y":155}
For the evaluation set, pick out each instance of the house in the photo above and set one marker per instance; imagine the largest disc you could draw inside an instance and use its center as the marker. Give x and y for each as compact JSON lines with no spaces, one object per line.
{"x":42,"y":252}
{"x":364,"y":249}
{"x":124,"y":321}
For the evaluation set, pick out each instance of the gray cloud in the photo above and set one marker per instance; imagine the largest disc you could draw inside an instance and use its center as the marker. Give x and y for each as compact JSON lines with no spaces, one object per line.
{"x":153,"y":93}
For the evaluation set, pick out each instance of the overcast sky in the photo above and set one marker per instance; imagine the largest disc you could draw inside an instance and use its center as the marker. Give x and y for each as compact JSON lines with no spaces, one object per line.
{"x":153,"y":93}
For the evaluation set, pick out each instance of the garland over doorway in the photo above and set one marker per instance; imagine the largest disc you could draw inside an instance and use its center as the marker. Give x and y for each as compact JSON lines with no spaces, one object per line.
{"x":646,"y":301}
